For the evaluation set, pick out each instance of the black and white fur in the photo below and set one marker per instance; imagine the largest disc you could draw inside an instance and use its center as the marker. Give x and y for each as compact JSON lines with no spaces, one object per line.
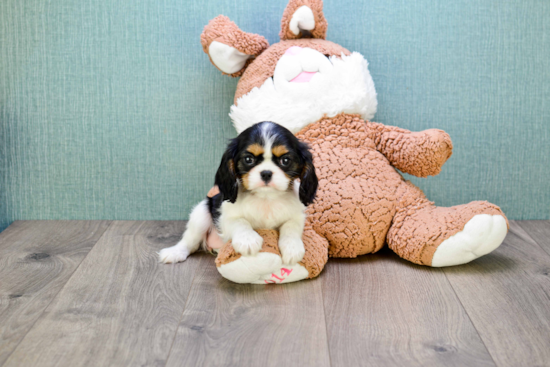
{"x":259,"y":189}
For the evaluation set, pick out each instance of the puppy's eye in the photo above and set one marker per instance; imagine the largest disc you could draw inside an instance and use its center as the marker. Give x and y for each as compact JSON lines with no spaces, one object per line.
{"x":249,"y":160}
{"x":285,"y":161}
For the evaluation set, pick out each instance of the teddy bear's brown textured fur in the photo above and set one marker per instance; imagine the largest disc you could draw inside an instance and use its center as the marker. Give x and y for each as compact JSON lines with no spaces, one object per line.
{"x":363,"y":202}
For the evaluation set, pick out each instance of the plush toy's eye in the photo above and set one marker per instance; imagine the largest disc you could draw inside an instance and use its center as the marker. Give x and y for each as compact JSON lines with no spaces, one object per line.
{"x":249,"y":160}
{"x":285,"y":161}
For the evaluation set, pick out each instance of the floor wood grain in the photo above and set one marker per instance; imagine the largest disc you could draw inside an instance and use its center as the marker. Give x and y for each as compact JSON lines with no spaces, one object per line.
{"x":120,"y":308}
{"x":91,"y":293}
{"x":507,"y":296}
{"x":538,"y":230}
{"x":228,"y":324}
{"x":36,"y":260}
{"x":384,"y":311}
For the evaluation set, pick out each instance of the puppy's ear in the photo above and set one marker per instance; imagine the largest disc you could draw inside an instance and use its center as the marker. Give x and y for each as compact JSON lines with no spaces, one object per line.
{"x":229,"y":48}
{"x":308,"y":179}
{"x":226,"y":177}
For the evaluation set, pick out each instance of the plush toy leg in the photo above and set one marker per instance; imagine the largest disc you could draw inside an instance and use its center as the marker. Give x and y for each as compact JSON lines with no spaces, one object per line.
{"x":435,"y":236}
{"x":267,"y":266}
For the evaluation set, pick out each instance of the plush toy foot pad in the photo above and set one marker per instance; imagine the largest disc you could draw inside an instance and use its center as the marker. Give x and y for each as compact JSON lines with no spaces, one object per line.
{"x":481,"y":235}
{"x":264,"y":268}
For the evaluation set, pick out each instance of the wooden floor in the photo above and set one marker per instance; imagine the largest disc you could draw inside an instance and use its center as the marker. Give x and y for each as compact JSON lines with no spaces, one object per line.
{"x":75,"y":293}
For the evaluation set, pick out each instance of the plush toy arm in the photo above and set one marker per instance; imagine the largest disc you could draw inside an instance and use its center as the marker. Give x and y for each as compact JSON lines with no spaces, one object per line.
{"x":420,"y":153}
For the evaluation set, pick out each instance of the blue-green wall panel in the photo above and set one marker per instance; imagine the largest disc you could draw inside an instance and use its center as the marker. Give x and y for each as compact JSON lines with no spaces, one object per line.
{"x":110,"y":109}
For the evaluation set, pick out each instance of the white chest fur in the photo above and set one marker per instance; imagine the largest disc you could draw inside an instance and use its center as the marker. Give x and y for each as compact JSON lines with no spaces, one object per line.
{"x":262,"y":211}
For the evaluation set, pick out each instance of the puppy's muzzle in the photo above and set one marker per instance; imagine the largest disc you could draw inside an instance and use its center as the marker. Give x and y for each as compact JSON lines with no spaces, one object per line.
{"x":266,"y":176}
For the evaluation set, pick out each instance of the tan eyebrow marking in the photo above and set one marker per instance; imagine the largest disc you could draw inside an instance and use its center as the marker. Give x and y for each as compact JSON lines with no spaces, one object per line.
{"x":279,"y":150}
{"x":256,"y":149}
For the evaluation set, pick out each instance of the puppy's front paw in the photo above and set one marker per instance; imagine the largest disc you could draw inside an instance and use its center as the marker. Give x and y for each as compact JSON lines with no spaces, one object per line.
{"x":172,"y":255}
{"x":292,"y":250}
{"x":247,"y":243}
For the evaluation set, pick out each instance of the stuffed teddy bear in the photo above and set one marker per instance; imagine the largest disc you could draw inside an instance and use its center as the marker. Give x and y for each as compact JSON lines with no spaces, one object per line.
{"x":325,"y":95}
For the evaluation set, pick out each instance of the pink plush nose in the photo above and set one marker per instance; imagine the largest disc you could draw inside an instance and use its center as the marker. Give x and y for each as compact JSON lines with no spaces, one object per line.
{"x":293,"y":51}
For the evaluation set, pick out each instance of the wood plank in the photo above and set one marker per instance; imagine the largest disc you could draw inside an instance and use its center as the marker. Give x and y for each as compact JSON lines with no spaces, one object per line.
{"x":384,"y":311}
{"x":539,"y":230}
{"x":507,"y":296}
{"x":120,"y":308}
{"x":36,"y":260}
{"x":228,"y":324}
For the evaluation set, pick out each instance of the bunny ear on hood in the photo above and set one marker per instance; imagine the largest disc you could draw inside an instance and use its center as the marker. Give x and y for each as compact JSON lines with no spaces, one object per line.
{"x":303,"y":19}
{"x":230,"y":49}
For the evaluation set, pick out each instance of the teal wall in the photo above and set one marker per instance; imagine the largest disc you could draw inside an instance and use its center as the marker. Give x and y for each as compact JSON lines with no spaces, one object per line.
{"x":110,"y":110}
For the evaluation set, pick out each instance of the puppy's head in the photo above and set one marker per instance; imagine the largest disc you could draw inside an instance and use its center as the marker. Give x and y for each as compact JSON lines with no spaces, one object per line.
{"x":266,"y":158}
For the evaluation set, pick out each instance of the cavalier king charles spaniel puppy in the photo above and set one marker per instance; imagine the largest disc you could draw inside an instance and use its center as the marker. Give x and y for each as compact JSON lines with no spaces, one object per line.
{"x":266,"y":179}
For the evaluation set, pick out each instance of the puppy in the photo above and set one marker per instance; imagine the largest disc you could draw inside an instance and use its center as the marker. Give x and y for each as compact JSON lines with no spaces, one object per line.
{"x":266,"y":179}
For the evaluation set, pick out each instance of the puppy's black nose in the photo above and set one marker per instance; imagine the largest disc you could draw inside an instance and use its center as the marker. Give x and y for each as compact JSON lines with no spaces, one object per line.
{"x":266,"y":176}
